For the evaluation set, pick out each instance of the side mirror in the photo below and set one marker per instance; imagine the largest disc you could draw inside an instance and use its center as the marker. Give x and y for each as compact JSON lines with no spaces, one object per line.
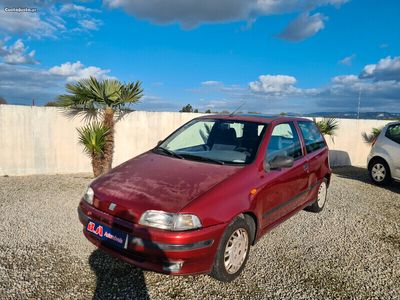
{"x":279,"y":162}
{"x":159,"y":143}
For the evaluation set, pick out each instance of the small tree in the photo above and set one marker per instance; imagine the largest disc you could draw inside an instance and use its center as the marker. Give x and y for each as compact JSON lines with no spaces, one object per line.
{"x":187,"y":108}
{"x":102,"y":99}
{"x":208,"y":111}
{"x":93,"y":138}
{"x":328,"y":126}
{"x":2,"y":100}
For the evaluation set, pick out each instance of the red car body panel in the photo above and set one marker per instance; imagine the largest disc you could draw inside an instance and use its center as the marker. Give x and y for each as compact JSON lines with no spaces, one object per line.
{"x":157,"y":182}
{"x":215,"y":193}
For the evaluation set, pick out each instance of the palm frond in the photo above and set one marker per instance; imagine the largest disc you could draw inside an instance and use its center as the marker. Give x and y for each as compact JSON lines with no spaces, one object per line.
{"x":371,"y":137}
{"x":328,"y":126}
{"x":89,"y":95}
{"x":129,"y":93}
{"x":92,"y":137}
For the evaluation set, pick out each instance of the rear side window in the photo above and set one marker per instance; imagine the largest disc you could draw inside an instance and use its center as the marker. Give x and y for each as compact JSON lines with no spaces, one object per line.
{"x":284,"y":141}
{"x":393,"y":133}
{"x":312,"y":136}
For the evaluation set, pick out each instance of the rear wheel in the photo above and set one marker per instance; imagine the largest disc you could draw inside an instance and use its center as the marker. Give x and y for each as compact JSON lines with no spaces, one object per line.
{"x":319,"y":203}
{"x":379,"y":171}
{"x":233,"y":251}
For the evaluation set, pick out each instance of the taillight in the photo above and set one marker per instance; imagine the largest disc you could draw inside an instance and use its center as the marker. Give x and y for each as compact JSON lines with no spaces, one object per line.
{"x":373,"y":142}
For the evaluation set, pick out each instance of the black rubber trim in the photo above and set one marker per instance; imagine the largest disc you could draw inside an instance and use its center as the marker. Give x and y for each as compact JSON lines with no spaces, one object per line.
{"x":170,"y":247}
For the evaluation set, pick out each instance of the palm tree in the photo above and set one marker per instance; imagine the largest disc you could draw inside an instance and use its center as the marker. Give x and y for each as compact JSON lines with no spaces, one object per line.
{"x":103,"y":99}
{"x":328,"y":126}
{"x":371,"y":137}
{"x":93,"y":138}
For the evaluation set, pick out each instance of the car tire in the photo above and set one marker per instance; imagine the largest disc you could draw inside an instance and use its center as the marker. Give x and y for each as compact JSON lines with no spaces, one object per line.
{"x":379,"y":171}
{"x":319,"y":203}
{"x":233,"y":251}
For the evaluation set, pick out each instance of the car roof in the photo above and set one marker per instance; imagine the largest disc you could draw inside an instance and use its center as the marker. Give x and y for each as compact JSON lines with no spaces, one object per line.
{"x":392,"y":123}
{"x":259,"y":118}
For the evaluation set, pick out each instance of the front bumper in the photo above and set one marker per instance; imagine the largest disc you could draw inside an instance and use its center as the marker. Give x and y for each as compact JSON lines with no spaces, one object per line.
{"x":176,"y":253}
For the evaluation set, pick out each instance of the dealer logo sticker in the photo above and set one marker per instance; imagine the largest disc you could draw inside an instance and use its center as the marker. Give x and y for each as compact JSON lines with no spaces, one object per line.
{"x":97,"y":231}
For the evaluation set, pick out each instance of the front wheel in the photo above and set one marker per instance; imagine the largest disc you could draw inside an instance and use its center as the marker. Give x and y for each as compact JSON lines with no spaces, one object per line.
{"x":379,"y":172}
{"x":232,"y":252}
{"x":319,"y":203}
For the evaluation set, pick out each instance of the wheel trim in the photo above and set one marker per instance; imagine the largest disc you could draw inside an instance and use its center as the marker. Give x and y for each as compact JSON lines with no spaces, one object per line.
{"x":236,"y":250}
{"x":378,"y":172}
{"x":322,"y":194}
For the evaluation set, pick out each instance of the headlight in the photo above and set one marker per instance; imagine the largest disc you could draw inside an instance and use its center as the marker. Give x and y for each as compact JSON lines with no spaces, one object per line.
{"x":169,"y":221}
{"x":88,"y":197}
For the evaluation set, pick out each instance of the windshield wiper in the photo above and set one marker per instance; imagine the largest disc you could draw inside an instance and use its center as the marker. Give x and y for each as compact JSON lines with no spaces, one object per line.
{"x":169,"y":152}
{"x":220,"y":162}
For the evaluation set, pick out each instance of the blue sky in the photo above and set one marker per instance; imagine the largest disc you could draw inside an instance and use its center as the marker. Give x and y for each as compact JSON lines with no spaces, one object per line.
{"x":273,"y":55}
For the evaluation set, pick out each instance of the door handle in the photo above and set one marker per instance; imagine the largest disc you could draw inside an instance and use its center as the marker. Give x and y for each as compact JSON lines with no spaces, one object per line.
{"x":306,"y":166}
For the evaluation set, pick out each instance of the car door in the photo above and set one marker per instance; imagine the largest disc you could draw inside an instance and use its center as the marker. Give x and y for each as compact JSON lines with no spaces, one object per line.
{"x":284,"y":188}
{"x":316,"y":154}
{"x":392,"y":146}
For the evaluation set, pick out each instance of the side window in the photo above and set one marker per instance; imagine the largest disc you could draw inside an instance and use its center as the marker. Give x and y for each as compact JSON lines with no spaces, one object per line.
{"x":393,"y":133}
{"x":284,"y":141}
{"x":312,"y":136}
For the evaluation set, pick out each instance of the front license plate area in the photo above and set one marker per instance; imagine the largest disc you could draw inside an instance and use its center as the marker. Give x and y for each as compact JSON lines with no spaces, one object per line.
{"x":108,"y":234}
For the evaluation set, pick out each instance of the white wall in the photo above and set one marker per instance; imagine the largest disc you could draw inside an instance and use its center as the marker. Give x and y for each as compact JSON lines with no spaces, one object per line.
{"x":42,"y":140}
{"x":348,"y":147}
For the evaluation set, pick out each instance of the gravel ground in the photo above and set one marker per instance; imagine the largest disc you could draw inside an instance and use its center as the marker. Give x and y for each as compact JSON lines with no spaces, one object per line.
{"x":350,"y":250}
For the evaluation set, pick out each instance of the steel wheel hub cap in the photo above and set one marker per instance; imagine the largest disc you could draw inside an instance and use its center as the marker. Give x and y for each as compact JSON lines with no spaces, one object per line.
{"x":236,"y":250}
{"x":322,"y":194}
{"x":378,"y":172}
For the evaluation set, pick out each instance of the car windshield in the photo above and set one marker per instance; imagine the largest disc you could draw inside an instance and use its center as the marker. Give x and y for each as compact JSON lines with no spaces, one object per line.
{"x":215,"y":141}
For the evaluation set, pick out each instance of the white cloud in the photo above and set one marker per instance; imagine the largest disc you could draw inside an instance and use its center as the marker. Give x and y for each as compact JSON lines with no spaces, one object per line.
{"x":76,"y":71}
{"x":379,"y":86}
{"x":70,"y":7}
{"x":28,"y":23}
{"x":304,"y":26}
{"x":345,"y":79}
{"x":348,"y":60}
{"x":21,"y":84}
{"x":90,"y":24}
{"x":17,"y":53}
{"x":50,"y":19}
{"x":211,"y":83}
{"x":191,"y":13}
{"x":386,"y":69}
{"x":273,"y":84}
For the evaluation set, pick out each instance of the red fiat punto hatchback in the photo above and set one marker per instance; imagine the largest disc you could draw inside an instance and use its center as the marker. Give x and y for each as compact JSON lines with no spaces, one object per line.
{"x":196,"y":202}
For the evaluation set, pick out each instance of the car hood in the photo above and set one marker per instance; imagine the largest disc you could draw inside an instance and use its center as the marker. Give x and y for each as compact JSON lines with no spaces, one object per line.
{"x":155,"y":181}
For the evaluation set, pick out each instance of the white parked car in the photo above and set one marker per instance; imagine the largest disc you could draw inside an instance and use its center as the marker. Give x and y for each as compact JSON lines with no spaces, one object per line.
{"x":384,"y":158}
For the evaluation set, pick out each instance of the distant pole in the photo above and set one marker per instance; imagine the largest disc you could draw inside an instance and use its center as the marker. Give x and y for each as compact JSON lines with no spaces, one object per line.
{"x":359,"y":103}
{"x":33,"y":102}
